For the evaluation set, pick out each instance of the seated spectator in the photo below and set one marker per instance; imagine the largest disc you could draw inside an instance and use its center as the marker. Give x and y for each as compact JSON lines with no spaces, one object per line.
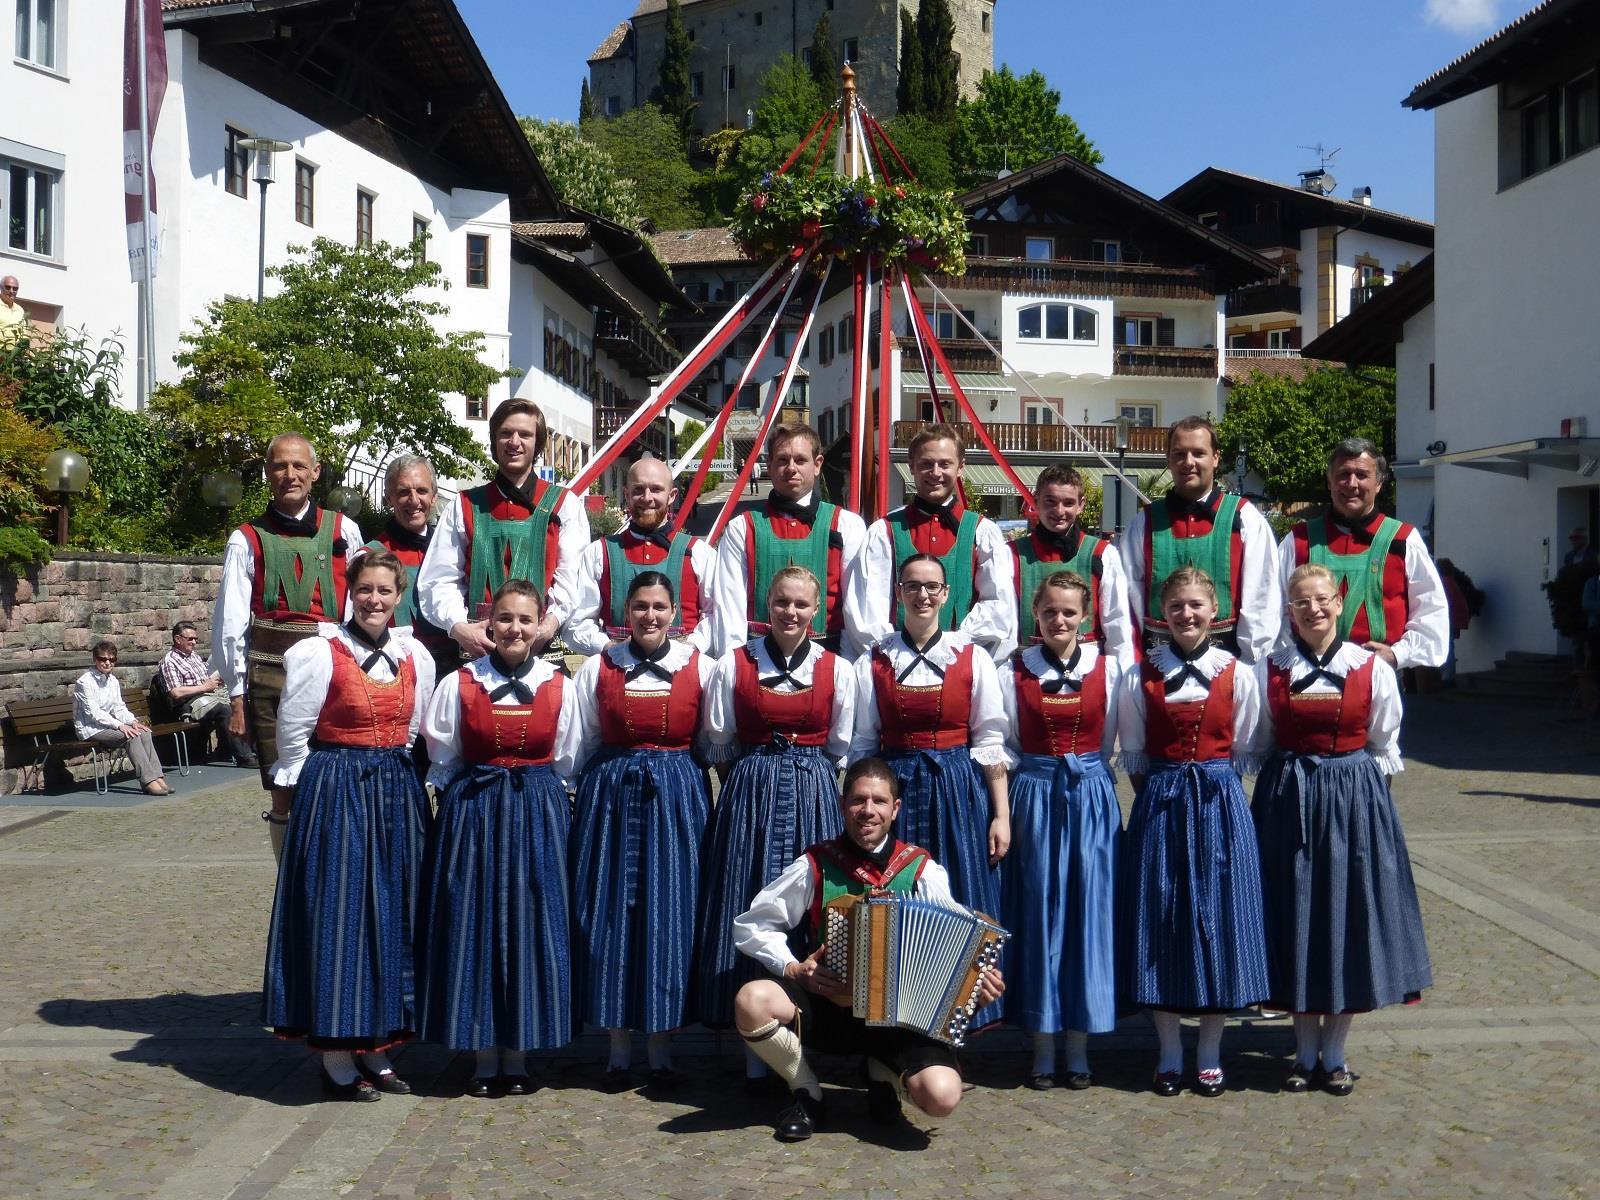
{"x":99,"y":715}
{"x":197,"y":693}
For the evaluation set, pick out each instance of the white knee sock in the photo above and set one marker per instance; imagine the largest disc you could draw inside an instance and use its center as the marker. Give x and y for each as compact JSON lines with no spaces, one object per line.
{"x":1170,"y":1031}
{"x":779,"y":1047}
{"x":1077,"y":1052}
{"x":1334,"y":1031}
{"x":1044,"y":1054}
{"x":513,"y":1062}
{"x":621,"y":1049}
{"x":659,"y":1048}
{"x":340,"y":1066}
{"x":1307,"y":1037}
{"x":376,"y":1061}
{"x":488,"y":1065}
{"x":754,"y":1068}
{"x":1208,"y":1053}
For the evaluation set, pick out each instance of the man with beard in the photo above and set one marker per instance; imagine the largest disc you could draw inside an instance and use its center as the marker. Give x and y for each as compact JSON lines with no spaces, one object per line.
{"x":516,"y":526}
{"x":409,"y":490}
{"x":607,"y":567}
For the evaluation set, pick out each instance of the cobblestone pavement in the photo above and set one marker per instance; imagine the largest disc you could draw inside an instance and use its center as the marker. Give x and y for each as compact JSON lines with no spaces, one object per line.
{"x":130,"y":1064}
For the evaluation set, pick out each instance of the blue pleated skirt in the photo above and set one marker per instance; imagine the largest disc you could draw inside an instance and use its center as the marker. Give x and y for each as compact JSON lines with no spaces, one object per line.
{"x":340,"y":952}
{"x":494,"y":957}
{"x":1058,"y":888}
{"x":1190,"y":886}
{"x":1344,"y":930}
{"x":634,"y":856}
{"x":779,"y":799}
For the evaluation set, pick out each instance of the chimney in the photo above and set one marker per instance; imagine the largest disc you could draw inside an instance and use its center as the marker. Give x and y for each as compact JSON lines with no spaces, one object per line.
{"x":1362,"y":196}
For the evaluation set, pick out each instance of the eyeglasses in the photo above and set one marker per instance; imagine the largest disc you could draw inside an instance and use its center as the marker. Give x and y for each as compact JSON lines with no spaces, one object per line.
{"x":1310,"y":602}
{"x":102,"y":659}
{"x":916,"y":587}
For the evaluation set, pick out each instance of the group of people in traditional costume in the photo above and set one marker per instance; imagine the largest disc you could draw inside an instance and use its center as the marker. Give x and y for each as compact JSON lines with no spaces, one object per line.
{"x":980,"y":692}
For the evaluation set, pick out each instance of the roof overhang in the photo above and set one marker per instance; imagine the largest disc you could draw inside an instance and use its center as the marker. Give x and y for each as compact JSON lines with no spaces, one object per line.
{"x":1368,"y":336}
{"x":1542,"y":30}
{"x":1301,"y":209}
{"x":571,"y":273}
{"x":1578,"y":454}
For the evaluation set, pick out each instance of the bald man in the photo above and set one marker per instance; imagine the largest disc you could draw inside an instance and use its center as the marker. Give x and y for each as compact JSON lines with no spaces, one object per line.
{"x":606,"y":567}
{"x":13,"y":317}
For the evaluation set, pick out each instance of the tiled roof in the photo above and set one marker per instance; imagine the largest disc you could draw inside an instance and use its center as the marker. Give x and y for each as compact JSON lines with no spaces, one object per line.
{"x":613,"y":43}
{"x":554,"y":231}
{"x":1237,"y":369}
{"x":693,"y":247}
{"x":1536,"y":33}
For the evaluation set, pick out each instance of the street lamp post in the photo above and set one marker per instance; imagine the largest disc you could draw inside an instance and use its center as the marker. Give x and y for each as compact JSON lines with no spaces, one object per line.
{"x":66,"y":473}
{"x":262,"y":173}
{"x":1124,"y":426}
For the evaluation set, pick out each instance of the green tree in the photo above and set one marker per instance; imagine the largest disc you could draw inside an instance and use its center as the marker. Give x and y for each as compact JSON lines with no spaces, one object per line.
{"x":789,"y":106}
{"x":1015,"y":122}
{"x":582,"y":172}
{"x":588,"y":106}
{"x":672,"y":88}
{"x":911,"y":91}
{"x":824,"y":62}
{"x":1288,"y":426}
{"x":648,"y":153}
{"x":925,"y":145}
{"x":936,"y":31}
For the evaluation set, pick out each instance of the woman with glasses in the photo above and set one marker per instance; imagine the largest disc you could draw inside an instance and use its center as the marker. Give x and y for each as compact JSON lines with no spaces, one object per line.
{"x":1344,"y":928}
{"x":929,"y":705}
{"x":100,"y":715}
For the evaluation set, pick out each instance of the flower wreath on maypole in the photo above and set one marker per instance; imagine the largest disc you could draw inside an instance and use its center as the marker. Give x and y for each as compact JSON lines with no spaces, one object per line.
{"x":883,"y":226}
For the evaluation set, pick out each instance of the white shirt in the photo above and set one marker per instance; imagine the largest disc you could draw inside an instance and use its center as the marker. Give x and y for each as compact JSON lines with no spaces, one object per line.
{"x":1383,"y":718}
{"x":580,"y":740}
{"x":721,"y":727}
{"x":97,"y":704}
{"x":585,"y":630}
{"x":986,"y":719}
{"x":1033,"y":659}
{"x":992,"y":620}
{"x":308,"y":672}
{"x":441,"y":724}
{"x":442,"y":578}
{"x":230,"y":621}
{"x":762,"y":930}
{"x":1258,"y":612}
{"x":736,"y":550}
{"x":1426,"y":640}
{"x":1131,"y":715}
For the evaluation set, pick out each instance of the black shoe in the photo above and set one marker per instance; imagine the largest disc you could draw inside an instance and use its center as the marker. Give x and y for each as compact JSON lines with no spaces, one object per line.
{"x":663,"y":1079}
{"x":479,"y":1087}
{"x":1167,"y":1083}
{"x":1338,"y":1082}
{"x":360,"y":1090}
{"x":249,"y":761}
{"x":883,"y":1103}
{"x":616,"y":1079}
{"x":1210,"y":1083}
{"x":1078,"y":1081}
{"x":1301,"y":1079}
{"x":1041,"y":1082}
{"x":384,"y":1081}
{"x":517,"y":1085}
{"x":800,"y":1120}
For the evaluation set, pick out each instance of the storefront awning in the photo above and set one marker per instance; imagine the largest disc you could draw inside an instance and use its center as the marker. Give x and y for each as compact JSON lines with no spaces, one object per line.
{"x":916,"y":381}
{"x":1580,"y":454}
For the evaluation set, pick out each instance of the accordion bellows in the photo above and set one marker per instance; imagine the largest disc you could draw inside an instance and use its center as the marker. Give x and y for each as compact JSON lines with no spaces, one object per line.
{"x":910,"y":962}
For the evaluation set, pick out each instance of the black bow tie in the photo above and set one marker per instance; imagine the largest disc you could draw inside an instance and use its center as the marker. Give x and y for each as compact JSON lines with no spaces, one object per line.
{"x":1187,"y":669}
{"x":1319,"y":668}
{"x":782,"y":506}
{"x":1357,"y":528}
{"x":1177,"y":506}
{"x":649,"y":664}
{"x":515,"y":494}
{"x":786,"y":666}
{"x":921,"y":655}
{"x":1063,"y":671}
{"x":945,"y":514}
{"x":305,"y":526}
{"x":376,"y":645}
{"x":514,"y":685}
{"x":399,"y":535}
{"x":657,"y":537}
{"x":1066,"y":543}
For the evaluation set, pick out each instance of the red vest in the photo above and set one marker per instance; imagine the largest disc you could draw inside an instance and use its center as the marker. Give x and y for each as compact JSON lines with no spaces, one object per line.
{"x":509,"y":735}
{"x":360,"y":711}
{"x":1191,"y":731}
{"x":648,"y":720}
{"x":1064,"y":722}
{"x":277,"y":610}
{"x":804,"y":717}
{"x":1320,"y":722}
{"x":1396,"y":588}
{"x":936,"y":717}
{"x":833,"y":586}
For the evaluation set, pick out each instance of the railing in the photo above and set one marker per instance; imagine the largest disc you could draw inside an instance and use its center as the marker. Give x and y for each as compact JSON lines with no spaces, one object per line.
{"x":1360,"y":294}
{"x":656,"y":437}
{"x":1273,"y":352}
{"x":1264,"y":298}
{"x":1047,"y":439}
{"x":1182,"y":362}
{"x":635,"y":343}
{"x":963,"y":354}
{"x":1072,"y":278}
{"x":1263,"y":235}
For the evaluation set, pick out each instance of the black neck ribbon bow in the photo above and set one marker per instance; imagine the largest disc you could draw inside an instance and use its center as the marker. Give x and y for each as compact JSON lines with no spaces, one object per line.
{"x":782,"y":506}
{"x":786,"y":666}
{"x":401,"y":536}
{"x":515,"y":676}
{"x":1186,"y":668}
{"x":649,"y":662}
{"x":1319,"y":668}
{"x":377,"y":645}
{"x":1063,"y":670}
{"x":920,"y":655}
{"x":945,"y":514}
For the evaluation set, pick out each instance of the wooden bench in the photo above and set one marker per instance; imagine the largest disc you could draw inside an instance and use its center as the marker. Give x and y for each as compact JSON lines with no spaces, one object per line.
{"x":48,"y":724}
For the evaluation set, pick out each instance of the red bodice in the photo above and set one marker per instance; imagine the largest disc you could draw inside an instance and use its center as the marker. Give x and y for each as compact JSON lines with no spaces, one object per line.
{"x":1321,"y":722}
{"x":1193,"y":730}
{"x":360,"y":711}
{"x":1064,"y":722}
{"x":509,"y":735}
{"x":663,"y":720}
{"x":936,"y":717}
{"x":803,"y":717}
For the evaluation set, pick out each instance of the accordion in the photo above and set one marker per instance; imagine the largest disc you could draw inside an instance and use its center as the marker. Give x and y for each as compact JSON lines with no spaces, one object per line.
{"x":909,"y":962}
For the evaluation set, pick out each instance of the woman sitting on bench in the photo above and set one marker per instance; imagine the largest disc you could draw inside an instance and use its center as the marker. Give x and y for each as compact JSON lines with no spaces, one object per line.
{"x":99,"y":714}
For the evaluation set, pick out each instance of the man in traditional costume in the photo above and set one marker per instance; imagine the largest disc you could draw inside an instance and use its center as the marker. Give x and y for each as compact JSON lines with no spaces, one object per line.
{"x":409,"y":490}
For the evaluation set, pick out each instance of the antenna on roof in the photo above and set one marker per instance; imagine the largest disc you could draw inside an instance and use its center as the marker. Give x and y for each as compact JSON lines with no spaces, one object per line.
{"x":1320,"y":179}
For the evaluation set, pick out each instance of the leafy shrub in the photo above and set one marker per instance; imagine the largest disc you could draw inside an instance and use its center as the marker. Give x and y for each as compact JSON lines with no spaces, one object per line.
{"x":22,"y":547}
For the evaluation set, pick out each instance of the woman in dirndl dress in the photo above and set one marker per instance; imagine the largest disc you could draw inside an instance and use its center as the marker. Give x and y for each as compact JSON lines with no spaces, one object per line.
{"x":1190,"y":880}
{"x":339,"y":955}
{"x":634,"y":852}
{"x":1058,"y":883}
{"x":1344,"y":930}
{"x":494,"y":957}
{"x":778,"y":719}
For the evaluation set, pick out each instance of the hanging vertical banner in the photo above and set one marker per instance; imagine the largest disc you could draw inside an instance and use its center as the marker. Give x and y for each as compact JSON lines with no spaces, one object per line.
{"x":144,"y":77}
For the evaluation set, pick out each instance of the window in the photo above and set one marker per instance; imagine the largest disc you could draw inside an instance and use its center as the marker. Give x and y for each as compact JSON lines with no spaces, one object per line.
{"x":478,"y":260}
{"x":749,"y":397}
{"x":979,"y":244}
{"x":1142,"y":415}
{"x":947,"y":325}
{"x":1138,"y":331}
{"x":419,"y":240}
{"x":728,"y":74}
{"x":825,"y":427}
{"x":31,"y":197}
{"x":759,"y":18}
{"x":852,"y":50}
{"x":365,"y":202}
{"x":477,"y":407}
{"x":805,"y":57}
{"x":38,"y":32}
{"x":1238,"y":341}
{"x":304,"y":192}
{"x":1105,"y":251}
{"x":1040,"y":249}
{"x":847,"y":333}
{"x":825,"y":345}
{"x":1430,"y":387}
{"x":696,"y":290}
{"x":1045,"y":412}
{"x":235,"y":164}
{"x":1553,"y":122}
{"x":1210,"y":220}
{"x":1280,"y":339}
{"x":697,"y":84}
{"x":613,"y":106}
{"x":1057,"y":323}
{"x":983,"y":20}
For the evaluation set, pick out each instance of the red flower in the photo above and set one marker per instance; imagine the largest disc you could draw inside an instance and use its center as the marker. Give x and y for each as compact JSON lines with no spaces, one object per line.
{"x":900,"y":192}
{"x":758,"y":201}
{"x":810,"y":228}
{"x":872,"y":202}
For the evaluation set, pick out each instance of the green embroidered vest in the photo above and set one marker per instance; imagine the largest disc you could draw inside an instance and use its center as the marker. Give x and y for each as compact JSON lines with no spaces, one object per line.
{"x":298,"y":568}
{"x":620,"y":571}
{"x":523,"y":537}
{"x":1212,"y":553}
{"x":836,"y":881}
{"x":1034,"y":570}
{"x":405,"y":612}
{"x":957,"y":564}
{"x":773,"y":554}
{"x":1359,"y":576}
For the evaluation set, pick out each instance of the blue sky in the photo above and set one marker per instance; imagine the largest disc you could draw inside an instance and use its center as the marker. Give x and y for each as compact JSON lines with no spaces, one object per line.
{"x":1165,"y":88}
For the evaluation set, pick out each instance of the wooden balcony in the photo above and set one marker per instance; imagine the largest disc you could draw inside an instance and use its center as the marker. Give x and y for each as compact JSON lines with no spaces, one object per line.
{"x":1170,"y":362}
{"x":1073,"y":278}
{"x":963,"y":354}
{"x":656,"y":437}
{"x":635,"y":344}
{"x":1047,"y":439}
{"x":1264,"y":298}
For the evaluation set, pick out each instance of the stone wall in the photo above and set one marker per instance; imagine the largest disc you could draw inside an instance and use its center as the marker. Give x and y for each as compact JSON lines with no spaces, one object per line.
{"x":51,"y":615}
